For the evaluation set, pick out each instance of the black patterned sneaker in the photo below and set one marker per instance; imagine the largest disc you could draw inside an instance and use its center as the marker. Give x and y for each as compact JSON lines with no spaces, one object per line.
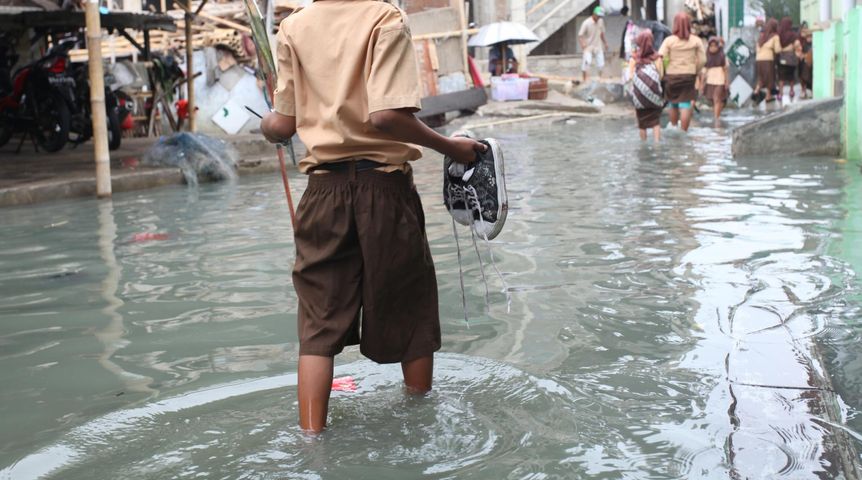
{"x":475,"y":194}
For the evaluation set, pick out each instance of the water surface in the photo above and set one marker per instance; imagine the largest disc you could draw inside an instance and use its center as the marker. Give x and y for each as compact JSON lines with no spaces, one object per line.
{"x":675,"y":313}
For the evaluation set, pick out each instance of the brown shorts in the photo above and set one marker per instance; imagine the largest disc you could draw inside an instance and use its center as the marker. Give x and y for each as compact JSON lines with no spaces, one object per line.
{"x":364,"y":273}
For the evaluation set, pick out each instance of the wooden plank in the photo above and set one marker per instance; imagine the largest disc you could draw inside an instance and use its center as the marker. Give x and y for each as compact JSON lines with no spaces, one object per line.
{"x":453,"y":33}
{"x":223,"y":21}
{"x":470,"y":99}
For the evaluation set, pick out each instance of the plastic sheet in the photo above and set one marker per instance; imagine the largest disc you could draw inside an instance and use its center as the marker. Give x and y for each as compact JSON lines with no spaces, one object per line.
{"x":200,"y":157}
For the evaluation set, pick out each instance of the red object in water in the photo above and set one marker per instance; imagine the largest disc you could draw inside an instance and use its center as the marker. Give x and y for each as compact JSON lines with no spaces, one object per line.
{"x":343,"y":384}
{"x":182,"y":108}
{"x":149,"y":236}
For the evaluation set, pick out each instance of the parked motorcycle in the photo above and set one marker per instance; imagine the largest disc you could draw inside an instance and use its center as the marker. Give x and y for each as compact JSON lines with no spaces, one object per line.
{"x":72,"y":81}
{"x":30,"y":104}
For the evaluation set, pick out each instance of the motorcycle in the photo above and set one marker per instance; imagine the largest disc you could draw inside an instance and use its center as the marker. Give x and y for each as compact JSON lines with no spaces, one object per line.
{"x":72,"y":81}
{"x":30,"y":104}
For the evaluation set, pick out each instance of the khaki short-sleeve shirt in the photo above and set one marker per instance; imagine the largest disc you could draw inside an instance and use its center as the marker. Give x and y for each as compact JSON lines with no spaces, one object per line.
{"x":338,"y":62}
{"x":683,"y":57}
{"x":591,"y":32}
{"x":768,"y":50}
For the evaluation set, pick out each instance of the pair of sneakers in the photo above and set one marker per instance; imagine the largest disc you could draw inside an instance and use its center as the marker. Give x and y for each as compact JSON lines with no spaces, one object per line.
{"x":475,"y":194}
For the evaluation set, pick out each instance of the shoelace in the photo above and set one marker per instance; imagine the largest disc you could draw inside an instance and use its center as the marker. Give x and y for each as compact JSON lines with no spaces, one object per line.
{"x":470,"y":198}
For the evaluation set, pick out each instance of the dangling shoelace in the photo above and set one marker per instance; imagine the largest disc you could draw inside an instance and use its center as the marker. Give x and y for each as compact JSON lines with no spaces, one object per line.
{"x":470,"y":198}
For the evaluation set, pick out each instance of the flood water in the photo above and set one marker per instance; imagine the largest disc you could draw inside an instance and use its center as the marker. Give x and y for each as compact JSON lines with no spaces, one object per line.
{"x":675,"y":313}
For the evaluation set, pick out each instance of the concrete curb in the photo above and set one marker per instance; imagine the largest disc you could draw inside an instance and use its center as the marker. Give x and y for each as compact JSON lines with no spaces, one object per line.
{"x":256,"y":157}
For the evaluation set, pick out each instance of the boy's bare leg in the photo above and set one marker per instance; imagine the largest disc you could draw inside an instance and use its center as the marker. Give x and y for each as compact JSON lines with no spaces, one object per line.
{"x":656,"y":133}
{"x":642,"y":133}
{"x":313,"y":388}
{"x":685,"y":114}
{"x":674,"y":116}
{"x":418,"y":373}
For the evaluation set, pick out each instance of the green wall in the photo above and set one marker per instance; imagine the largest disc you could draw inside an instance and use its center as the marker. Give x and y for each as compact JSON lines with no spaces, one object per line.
{"x":838,"y":56}
{"x":853,"y":84}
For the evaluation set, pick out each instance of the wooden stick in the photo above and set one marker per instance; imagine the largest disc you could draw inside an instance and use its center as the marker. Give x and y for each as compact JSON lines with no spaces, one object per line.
{"x":190,"y":69}
{"x":280,"y":150}
{"x":453,"y":33}
{"x":520,"y":119}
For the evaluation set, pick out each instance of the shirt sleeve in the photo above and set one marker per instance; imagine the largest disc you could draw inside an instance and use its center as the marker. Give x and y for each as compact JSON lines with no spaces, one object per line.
{"x":394,"y":78}
{"x":284,"y":96}
{"x":583,"y":31}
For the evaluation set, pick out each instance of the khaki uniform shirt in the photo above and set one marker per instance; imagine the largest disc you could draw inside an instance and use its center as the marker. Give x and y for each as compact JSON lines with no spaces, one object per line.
{"x":716,"y":76}
{"x":591,"y":32}
{"x":338,"y":62}
{"x":683,"y":57}
{"x":767,"y":51}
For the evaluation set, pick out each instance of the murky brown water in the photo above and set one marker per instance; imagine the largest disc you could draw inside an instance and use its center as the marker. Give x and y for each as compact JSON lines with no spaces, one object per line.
{"x":666,"y":306}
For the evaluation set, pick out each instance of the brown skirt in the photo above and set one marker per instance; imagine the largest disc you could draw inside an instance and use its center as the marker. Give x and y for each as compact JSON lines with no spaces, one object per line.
{"x":766,"y":73}
{"x":648,"y":117}
{"x":786,"y":73}
{"x":806,"y":74}
{"x":680,"y":88}
{"x":715,"y":92}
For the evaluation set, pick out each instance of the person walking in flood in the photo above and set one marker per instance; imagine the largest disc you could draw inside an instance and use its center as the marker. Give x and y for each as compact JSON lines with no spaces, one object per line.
{"x":646,"y":69}
{"x":788,"y":59}
{"x":768,"y":46}
{"x":806,"y":62}
{"x":363,"y":272}
{"x":683,"y":56}
{"x":591,"y":36}
{"x":715,"y":82}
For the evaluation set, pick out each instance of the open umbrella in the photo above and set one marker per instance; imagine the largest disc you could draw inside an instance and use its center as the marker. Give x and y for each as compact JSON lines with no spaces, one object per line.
{"x":502,"y":34}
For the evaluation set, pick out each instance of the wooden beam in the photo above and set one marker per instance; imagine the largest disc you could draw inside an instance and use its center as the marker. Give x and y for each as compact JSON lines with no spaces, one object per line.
{"x":223,"y":21}
{"x":453,"y":33}
{"x":451,"y":102}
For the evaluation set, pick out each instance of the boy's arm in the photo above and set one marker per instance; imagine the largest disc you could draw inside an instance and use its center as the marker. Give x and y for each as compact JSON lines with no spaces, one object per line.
{"x":403,"y":126}
{"x":277,"y":127}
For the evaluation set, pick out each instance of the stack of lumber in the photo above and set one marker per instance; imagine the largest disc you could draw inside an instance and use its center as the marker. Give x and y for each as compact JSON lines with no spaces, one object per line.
{"x":222,"y":23}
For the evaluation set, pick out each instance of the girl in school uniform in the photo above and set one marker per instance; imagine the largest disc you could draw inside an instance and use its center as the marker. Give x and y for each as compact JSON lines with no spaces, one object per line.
{"x":788,"y":61}
{"x":714,"y":82}
{"x":767,"y":47}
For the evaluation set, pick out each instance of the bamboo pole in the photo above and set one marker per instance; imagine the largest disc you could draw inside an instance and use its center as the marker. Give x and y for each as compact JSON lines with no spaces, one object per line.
{"x":190,"y":85}
{"x":97,"y":100}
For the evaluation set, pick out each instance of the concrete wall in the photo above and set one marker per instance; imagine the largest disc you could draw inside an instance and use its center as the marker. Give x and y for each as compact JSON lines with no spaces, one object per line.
{"x":565,"y":40}
{"x":806,"y":129}
{"x":838,"y":71}
{"x":236,"y":84}
{"x":441,"y":20}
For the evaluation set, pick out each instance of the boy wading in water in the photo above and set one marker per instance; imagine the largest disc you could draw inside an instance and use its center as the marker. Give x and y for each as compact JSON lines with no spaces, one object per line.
{"x":348,"y":85}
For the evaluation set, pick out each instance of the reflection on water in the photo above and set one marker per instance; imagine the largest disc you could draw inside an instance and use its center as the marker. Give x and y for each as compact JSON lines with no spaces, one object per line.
{"x":667,"y":307}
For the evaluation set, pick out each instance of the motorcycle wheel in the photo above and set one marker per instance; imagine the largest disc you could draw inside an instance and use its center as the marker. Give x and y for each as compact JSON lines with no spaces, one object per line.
{"x":115,"y":131}
{"x":52,"y":122}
